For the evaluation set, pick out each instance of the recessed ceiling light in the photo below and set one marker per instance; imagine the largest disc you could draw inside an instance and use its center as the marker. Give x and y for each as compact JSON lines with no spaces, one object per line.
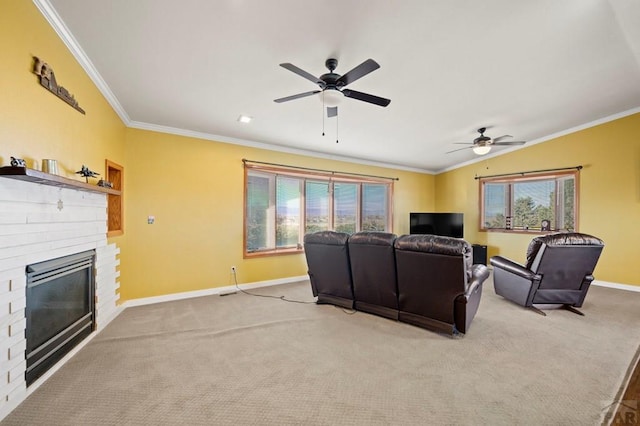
{"x":245,"y":119}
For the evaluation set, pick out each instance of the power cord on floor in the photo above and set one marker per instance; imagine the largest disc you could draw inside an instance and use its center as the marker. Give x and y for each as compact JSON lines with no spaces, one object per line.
{"x":283,"y":298}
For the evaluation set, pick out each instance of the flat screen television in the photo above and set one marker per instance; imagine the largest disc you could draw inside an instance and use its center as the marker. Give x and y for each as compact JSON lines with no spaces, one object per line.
{"x":445,"y":224}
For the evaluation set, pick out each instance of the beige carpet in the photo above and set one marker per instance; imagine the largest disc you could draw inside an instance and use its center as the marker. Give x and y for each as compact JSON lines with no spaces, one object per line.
{"x":244,"y":360}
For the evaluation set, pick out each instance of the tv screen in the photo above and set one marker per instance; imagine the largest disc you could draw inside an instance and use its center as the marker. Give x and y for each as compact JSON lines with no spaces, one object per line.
{"x":445,"y":224}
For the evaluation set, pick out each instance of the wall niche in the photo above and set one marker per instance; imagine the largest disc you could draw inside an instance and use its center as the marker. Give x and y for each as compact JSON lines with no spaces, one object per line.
{"x":115,"y":175}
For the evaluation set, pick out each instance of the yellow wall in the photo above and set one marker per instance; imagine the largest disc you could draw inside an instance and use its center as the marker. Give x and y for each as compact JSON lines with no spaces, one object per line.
{"x":194,"y":188}
{"x":34,"y":123}
{"x":609,"y":193}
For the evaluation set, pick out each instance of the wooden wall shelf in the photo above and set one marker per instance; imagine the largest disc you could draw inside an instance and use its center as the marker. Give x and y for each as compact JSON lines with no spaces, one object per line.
{"x":36,"y":176}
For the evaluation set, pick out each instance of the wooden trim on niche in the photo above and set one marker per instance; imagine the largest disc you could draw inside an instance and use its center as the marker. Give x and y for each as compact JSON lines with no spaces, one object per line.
{"x":114,"y":173}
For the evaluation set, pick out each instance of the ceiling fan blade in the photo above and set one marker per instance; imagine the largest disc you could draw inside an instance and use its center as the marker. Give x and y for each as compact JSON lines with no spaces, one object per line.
{"x":459,"y":149}
{"x":463,"y":143}
{"x":332,"y":111}
{"x":299,"y":95}
{"x":360,"y":71}
{"x":499,"y":138}
{"x":509,"y":143}
{"x":302,"y":73}
{"x":366,"y":97}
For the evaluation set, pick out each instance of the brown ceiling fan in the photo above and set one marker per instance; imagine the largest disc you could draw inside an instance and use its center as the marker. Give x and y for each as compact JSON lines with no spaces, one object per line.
{"x":482,"y":144}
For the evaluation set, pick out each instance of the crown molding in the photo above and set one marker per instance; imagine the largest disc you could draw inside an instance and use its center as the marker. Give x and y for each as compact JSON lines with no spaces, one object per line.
{"x":270,"y":147}
{"x":72,"y":44}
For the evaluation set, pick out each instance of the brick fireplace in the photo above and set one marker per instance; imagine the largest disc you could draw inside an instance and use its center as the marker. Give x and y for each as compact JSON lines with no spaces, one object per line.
{"x":39,"y":222}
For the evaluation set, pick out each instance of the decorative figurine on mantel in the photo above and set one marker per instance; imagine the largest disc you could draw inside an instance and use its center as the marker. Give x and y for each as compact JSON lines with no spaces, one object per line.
{"x":105,"y":184}
{"x":18,"y":162}
{"x":86,"y":173}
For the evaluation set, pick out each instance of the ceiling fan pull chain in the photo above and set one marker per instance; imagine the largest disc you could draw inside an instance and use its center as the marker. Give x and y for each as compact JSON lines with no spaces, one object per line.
{"x":322,"y":113}
{"x":337,"y":118}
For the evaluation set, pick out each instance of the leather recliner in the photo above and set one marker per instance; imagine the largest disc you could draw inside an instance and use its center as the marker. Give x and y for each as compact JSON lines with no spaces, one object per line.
{"x":373,"y":271}
{"x":329,"y":268}
{"x":438,"y":286}
{"x":558,"y":270}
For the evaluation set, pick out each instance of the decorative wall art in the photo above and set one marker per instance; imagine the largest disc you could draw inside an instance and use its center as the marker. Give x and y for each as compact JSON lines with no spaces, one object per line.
{"x":48,"y":81}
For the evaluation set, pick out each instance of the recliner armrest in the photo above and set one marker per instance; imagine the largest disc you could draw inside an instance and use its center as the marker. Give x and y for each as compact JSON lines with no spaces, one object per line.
{"x":512,"y":267}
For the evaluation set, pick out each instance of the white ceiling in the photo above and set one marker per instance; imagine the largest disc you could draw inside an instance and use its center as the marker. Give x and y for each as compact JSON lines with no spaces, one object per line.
{"x":530,"y":69}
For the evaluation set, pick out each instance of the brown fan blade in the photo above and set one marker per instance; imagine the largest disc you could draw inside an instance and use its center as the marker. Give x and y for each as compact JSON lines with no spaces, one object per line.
{"x":358,"y":72}
{"x":365,"y":97}
{"x":509,"y":143}
{"x":501,"y":137}
{"x":302,"y":73}
{"x":299,"y":95}
{"x":459,"y":149}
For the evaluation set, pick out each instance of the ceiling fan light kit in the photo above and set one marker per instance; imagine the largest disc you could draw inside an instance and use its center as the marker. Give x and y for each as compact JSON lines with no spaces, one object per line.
{"x":481,"y":150}
{"x":330,"y":97}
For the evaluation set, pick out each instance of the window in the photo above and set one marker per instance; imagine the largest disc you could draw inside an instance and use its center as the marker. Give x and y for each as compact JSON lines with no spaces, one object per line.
{"x":525,"y":203}
{"x":316,"y":207}
{"x":283,"y":205}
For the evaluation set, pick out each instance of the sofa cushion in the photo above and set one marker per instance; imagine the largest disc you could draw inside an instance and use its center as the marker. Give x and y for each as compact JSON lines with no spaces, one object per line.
{"x":372,"y":238}
{"x":327,"y":237}
{"x":433,"y":244}
{"x":438,"y":244}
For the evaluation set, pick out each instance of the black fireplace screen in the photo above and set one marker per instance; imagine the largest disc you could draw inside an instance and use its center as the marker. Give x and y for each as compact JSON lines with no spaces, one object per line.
{"x":60,"y":309}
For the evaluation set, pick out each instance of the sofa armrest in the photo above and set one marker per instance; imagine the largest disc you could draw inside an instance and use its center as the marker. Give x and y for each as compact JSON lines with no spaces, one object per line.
{"x":466,"y":305}
{"x":512,"y":267}
{"x":479,"y":274}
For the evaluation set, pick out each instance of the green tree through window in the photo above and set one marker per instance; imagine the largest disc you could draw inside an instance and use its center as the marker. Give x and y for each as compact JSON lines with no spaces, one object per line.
{"x":528,"y":201}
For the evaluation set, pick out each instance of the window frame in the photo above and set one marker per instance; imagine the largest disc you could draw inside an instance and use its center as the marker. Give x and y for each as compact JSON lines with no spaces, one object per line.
{"x":558,"y":177}
{"x":312,"y":176}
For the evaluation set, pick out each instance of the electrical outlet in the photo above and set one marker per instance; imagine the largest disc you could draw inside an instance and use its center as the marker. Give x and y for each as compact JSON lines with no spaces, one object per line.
{"x":233,"y":269}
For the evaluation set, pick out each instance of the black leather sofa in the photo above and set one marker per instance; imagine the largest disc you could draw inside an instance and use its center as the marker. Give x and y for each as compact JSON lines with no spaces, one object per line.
{"x":425,"y":280}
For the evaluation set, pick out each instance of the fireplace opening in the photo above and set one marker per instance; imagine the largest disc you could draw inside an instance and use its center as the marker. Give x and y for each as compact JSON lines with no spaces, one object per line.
{"x":59,"y":310}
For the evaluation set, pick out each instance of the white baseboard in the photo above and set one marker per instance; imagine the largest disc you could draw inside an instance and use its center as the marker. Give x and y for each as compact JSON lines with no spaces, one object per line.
{"x":209,"y":291}
{"x":618,"y":286}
